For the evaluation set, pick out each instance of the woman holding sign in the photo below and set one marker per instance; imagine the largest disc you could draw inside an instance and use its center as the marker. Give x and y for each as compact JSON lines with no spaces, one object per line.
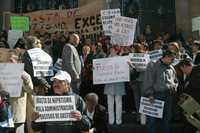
{"x":61,"y":87}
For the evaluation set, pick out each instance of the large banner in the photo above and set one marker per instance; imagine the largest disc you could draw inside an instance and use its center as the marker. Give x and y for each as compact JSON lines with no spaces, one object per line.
{"x":54,"y":108}
{"x":10,"y":78}
{"x":107,"y":17}
{"x":111,"y":70}
{"x":85,"y":20}
{"x":123,"y":31}
{"x":42,"y":62}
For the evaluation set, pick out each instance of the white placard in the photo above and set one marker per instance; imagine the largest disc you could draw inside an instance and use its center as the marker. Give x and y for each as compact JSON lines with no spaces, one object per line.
{"x":10,"y":78}
{"x":111,"y":70}
{"x":123,"y":31}
{"x":151,"y":109}
{"x":42,"y":62}
{"x":58,"y":65}
{"x":196,"y":24}
{"x":155,"y":55}
{"x":139,"y":60}
{"x":13,"y":36}
{"x":107,"y":17}
{"x":54,"y":108}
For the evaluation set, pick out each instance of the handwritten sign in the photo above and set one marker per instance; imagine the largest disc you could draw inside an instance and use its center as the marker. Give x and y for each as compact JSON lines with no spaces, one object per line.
{"x":42,"y":62}
{"x":151,"y":109}
{"x":11,"y":80}
{"x":123,"y":30}
{"x":54,"y":108}
{"x":107,"y":17}
{"x":111,"y":70}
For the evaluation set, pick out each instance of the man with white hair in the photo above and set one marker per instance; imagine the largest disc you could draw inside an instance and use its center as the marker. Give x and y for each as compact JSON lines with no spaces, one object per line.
{"x":71,"y":61}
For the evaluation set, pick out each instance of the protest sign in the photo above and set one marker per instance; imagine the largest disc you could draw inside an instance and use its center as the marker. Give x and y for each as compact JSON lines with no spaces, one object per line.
{"x":196,"y":23}
{"x":13,"y":36}
{"x":110,"y":70}
{"x":11,"y":80}
{"x":54,"y":108}
{"x":123,"y":30}
{"x":42,"y":62}
{"x":85,"y":20}
{"x":139,"y":60}
{"x":151,"y":109}
{"x":19,"y":23}
{"x":58,"y":65}
{"x":107,"y":17}
{"x":155,"y":55}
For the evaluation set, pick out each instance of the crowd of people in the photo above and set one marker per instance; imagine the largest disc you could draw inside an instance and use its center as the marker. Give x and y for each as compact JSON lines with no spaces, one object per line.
{"x":163,"y":79}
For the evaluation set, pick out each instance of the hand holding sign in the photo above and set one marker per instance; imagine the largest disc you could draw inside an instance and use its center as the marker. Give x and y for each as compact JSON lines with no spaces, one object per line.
{"x":76,"y":115}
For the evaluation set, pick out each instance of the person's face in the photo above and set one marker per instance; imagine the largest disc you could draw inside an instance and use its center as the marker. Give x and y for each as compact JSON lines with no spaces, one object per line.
{"x":76,"y":40}
{"x":195,"y":48}
{"x":186,"y":69}
{"x":60,"y":86}
{"x":86,"y":50}
{"x":169,"y":59}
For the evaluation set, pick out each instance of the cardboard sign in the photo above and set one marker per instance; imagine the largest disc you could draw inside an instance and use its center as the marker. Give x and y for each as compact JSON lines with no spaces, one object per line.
{"x":107,"y":17}
{"x":19,"y":23}
{"x":123,"y":31}
{"x":111,"y":70}
{"x":42,"y":62}
{"x":154,"y":110}
{"x":54,"y":108}
{"x":10,"y":78}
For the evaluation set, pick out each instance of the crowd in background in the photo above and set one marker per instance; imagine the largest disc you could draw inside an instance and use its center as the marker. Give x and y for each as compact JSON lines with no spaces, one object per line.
{"x":125,"y":97}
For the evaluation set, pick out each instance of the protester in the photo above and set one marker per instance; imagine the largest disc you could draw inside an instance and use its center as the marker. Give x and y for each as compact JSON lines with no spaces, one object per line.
{"x":19,"y":104}
{"x":196,"y":52}
{"x":41,"y":84}
{"x":71,"y":61}
{"x":114,"y":92}
{"x":160,"y":82}
{"x":61,"y":87}
{"x":96,"y":113}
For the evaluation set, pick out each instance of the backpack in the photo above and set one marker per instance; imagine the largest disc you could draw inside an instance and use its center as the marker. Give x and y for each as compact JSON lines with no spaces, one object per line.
{"x":4,"y":104}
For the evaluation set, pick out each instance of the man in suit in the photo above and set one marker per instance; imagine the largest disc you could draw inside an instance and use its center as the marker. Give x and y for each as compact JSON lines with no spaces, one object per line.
{"x":71,"y":61}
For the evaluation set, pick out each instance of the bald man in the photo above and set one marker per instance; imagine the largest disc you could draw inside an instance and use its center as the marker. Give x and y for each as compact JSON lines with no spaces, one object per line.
{"x":71,"y":61}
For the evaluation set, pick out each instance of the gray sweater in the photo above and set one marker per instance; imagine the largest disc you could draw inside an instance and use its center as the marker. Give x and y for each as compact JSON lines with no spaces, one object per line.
{"x":159,"y":78}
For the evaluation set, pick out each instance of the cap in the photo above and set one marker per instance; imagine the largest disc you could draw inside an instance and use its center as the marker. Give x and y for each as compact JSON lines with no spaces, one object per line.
{"x":62,"y":75}
{"x":168,"y":52}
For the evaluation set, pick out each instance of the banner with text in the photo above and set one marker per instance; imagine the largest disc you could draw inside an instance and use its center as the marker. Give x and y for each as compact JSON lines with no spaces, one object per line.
{"x":10,"y":78}
{"x":42,"y":62}
{"x":54,"y":108}
{"x":123,"y":30}
{"x":139,"y":60}
{"x":85,"y":20}
{"x":107,"y":17}
{"x":111,"y":70}
{"x":151,"y":109}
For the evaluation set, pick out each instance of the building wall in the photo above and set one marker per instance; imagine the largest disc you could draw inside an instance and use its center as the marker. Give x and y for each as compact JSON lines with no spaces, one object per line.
{"x":185,"y":11}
